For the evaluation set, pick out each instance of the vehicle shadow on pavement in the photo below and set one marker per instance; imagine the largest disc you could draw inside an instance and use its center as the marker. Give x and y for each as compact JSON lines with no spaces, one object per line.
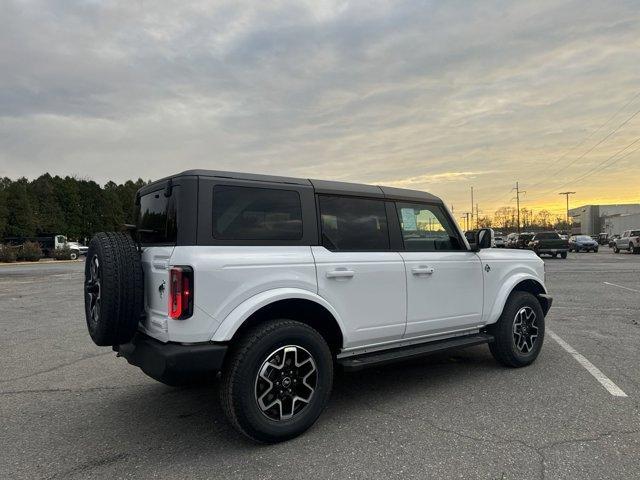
{"x":193,"y":417}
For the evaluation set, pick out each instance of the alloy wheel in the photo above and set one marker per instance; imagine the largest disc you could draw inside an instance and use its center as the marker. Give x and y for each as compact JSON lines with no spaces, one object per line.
{"x":525,"y":329}
{"x":93,"y":289}
{"x":286,"y":382}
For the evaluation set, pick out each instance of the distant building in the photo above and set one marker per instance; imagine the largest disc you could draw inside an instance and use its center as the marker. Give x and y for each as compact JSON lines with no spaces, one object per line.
{"x":611,"y":219}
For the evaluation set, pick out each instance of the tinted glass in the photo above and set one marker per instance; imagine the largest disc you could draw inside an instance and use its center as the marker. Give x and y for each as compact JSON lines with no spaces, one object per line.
{"x":547,"y":236}
{"x":353,"y":223}
{"x":634,"y":233}
{"x":157,"y":217}
{"x":425,"y":228}
{"x":247,"y":213}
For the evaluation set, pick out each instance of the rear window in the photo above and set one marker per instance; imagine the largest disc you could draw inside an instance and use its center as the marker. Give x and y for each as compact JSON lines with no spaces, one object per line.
{"x":354,"y":224}
{"x":248,"y":213}
{"x":547,"y":236}
{"x":157,"y":218}
{"x":634,"y":233}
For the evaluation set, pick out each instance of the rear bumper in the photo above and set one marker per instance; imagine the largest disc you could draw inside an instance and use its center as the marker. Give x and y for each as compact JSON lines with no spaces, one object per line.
{"x":552,"y":250}
{"x":172,"y":363}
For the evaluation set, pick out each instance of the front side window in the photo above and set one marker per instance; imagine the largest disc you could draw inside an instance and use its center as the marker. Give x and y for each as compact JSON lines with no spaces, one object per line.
{"x":426,"y":228}
{"x":353,"y":224}
{"x":249,"y":213}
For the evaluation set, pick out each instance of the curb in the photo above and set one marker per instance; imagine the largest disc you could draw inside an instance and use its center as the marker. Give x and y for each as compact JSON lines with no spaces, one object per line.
{"x":46,"y":262}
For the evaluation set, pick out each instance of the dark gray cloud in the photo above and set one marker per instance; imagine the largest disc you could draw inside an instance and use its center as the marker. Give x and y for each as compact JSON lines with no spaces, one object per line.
{"x":434,"y":95}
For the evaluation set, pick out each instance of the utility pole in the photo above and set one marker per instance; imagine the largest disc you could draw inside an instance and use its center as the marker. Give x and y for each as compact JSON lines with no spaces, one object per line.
{"x":566,"y":194}
{"x":518,"y":192}
{"x":465,"y":217}
{"x":472,"y":206}
{"x":477,"y":215}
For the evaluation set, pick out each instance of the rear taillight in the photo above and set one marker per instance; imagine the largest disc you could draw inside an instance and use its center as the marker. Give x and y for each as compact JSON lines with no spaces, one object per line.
{"x":180,"y":292}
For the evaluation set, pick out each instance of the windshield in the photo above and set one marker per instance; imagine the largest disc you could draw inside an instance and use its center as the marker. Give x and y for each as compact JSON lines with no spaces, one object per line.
{"x":526,"y":238}
{"x":584,"y":238}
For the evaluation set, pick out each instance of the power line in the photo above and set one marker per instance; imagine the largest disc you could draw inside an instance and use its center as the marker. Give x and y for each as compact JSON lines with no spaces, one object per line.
{"x":593,"y":133}
{"x":602,"y":164}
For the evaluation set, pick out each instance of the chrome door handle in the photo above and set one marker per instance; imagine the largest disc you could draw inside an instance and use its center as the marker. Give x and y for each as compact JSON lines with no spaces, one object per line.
{"x":340,"y":273}
{"x":422,"y":270}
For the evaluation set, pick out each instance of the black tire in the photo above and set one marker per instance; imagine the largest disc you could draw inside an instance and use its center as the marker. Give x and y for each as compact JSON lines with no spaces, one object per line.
{"x":595,"y":250}
{"x":563,"y":255}
{"x":554,"y":255}
{"x":240,"y":381}
{"x":616,"y":249}
{"x":114,"y":291}
{"x":74,"y":255}
{"x":505,"y":347}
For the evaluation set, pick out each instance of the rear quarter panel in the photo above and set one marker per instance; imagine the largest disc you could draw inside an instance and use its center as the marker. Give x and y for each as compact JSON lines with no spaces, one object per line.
{"x":227,"y":276}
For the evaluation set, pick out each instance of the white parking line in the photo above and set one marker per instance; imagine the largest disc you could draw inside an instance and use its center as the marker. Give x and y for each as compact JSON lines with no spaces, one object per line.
{"x":605,"y":381}
{"x":620,"y":286}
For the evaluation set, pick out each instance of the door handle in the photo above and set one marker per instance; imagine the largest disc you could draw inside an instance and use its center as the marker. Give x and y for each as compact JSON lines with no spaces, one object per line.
{"x":341,"y":273}
{"x":422,"y":270}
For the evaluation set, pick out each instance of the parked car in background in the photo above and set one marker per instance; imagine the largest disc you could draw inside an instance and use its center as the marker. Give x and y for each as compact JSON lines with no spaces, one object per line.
{"x":499,"y":239}
{"x":630,"y":240}
{"x":603,"y":239}
{"x":579,"y":243}
{"x":511,"y":240}
{"x":549,"y":243}
{"x":612,"y":240}
{"x":523,"y":239}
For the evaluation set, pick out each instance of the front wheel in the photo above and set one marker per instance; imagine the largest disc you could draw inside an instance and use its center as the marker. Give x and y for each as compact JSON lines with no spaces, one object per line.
{"x":277,"y":381}
{"x":563,"y":254}
{"x":519,"y":332}
{"x":616,"y":249}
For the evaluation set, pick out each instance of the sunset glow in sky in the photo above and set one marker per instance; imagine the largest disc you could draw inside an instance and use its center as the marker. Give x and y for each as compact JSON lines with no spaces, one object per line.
{"x":426,"y":95}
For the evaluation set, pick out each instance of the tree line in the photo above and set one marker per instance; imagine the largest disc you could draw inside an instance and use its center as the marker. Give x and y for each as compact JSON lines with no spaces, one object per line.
{"x":506,"y":220}
{"x":70,"y":206}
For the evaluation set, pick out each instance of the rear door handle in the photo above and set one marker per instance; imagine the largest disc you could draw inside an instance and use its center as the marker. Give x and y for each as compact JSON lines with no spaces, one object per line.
{"x":422,"y":270}
{"x":344,"y":273}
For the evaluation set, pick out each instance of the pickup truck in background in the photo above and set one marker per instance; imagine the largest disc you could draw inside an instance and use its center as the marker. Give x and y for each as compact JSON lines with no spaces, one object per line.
{"x":51,"y":242}
{"x":549,"y":243}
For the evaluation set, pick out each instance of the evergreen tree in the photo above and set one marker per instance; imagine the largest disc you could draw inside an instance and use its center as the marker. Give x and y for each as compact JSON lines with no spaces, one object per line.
{"x":20,"y":219}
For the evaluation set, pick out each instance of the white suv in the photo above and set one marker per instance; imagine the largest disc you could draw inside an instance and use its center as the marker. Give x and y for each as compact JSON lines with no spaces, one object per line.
{"x":274,"y":281}
{"x":630,"y":240}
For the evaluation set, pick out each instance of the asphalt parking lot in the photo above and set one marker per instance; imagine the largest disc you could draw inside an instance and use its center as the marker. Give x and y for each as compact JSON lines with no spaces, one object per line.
{"x":70,"y":409}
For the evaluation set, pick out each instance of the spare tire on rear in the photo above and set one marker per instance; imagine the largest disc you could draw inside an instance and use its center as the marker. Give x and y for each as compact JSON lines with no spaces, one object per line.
{"x":114,"y":292}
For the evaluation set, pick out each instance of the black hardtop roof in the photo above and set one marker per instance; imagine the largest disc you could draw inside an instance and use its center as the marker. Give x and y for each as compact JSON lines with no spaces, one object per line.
{"x":319,"y":186}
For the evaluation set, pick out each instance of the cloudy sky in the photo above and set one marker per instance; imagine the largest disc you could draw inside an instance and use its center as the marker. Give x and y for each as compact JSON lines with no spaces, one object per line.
{"x":428,"y":95}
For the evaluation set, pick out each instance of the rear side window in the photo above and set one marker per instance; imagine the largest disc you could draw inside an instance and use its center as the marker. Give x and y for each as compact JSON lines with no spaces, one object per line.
{"x":634,"y":233}
{"x":353,"y":224}
{"x":158,"y":218}
{"x":248,"y":213}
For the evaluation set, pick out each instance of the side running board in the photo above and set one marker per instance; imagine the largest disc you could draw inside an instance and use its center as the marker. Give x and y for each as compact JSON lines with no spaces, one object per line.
{"x":404,"y":353}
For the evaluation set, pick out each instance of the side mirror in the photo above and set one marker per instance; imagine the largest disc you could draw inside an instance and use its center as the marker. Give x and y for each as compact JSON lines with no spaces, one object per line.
{"x":483,"y":239}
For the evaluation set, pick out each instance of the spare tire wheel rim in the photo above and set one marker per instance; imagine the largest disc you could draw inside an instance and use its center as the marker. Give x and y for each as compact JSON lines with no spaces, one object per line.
{"x":92,"y":287}
{"x":525,"y":329}
{"x":286,"y":382}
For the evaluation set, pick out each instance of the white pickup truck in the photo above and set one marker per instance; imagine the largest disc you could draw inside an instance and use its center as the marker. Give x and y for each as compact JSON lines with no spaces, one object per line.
{"x":275,"y":282}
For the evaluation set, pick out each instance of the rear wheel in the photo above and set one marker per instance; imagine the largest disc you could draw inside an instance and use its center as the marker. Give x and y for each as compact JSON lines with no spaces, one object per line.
{"x":277,"y":381}
{"x":616,"y":249}
{"x":563,"y":254}
{"x":74,"y":255}
{"x":519,"y":332}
